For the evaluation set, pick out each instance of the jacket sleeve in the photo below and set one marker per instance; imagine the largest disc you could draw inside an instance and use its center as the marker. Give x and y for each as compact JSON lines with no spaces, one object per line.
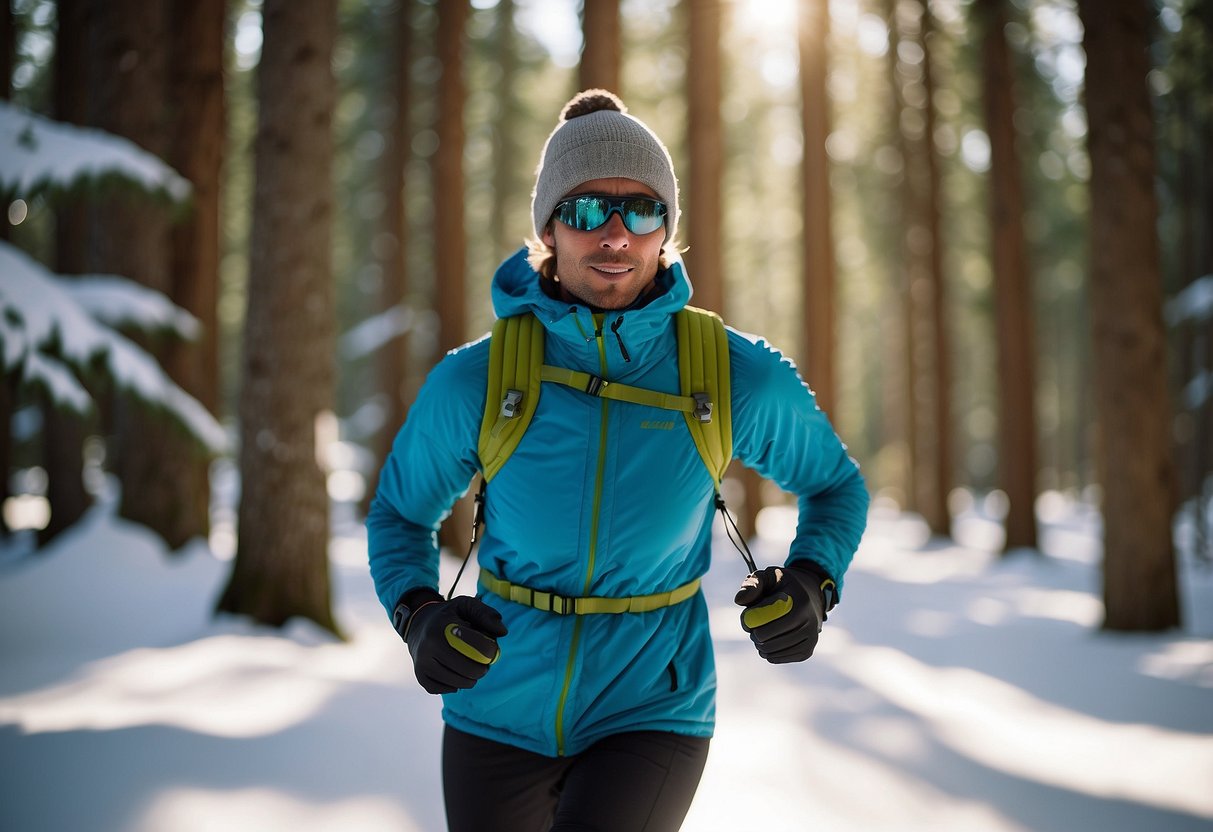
{"x":780,"y":432}
{"x":431,"y":464}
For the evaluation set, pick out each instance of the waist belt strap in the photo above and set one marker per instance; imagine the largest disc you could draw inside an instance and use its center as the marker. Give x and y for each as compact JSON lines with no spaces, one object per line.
{"x":587,"y":605}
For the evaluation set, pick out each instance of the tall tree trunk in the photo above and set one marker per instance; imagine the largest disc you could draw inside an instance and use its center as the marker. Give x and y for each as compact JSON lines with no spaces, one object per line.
{"x":505,"y":143}
{"x":63,"y":431}
{"x":935,"y":509}
{"x":281,"y":566}
{"x":704,"y":216}
{"x":1204,"y":437}
{"x":820,"y":295}
{"x":6,"y":400}
{"x":391,"y":364}
{"x":705,"y":138}
{"x":1203,"y":150}
{"x":7,"y":51}
{"x":928,"y":349}
{"x":196,"y":152}
{"x":1194,"y":148}
{"x":601,"y":57}
{"x":1140,"y":591}
{"x":450,"y":239}
{"x":1012,"y":287}
{"x":909,"y":266}
{"x":128,"y":68}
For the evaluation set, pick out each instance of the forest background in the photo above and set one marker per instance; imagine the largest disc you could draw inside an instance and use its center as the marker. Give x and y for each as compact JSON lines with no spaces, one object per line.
{"x":992,"y":262}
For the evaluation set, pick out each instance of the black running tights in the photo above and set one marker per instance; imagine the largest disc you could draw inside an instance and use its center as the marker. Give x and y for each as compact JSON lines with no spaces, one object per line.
{"x":635,"y":782}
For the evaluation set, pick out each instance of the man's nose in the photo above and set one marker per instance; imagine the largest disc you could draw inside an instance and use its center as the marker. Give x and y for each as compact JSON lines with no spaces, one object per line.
{"x":614,"y":234}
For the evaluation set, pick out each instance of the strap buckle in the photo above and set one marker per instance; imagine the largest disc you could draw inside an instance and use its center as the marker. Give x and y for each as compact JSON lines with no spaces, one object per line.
{"x":510,"y":404}
{"x":703,"y":407}
{"x":595,"y":384}
{"x":543,"y":601}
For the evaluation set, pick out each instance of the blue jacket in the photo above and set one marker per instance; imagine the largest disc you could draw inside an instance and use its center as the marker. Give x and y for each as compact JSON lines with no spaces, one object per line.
{"x":601,"y":498}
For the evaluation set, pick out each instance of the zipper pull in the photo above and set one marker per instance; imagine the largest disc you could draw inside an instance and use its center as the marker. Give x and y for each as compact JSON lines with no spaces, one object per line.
{"x":622,"y":349}
{"x":577,"y":321}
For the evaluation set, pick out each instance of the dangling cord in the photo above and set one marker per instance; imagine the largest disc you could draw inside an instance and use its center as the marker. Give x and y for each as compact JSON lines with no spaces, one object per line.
{"x":577,"y":321}
{"x":622,"y":349}
{"x":730,"y":528}
{"x":477,"y":522}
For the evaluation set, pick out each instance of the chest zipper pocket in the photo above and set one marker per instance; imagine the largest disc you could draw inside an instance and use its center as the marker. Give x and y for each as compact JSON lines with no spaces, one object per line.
{"x":673,"y":671}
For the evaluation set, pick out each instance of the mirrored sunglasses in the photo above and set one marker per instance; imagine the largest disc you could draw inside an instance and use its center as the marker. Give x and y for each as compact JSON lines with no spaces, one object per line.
{"x":586,"y":212}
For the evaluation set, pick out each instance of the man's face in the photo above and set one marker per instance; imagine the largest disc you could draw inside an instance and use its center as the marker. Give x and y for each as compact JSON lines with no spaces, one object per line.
{"x":610,"y":266}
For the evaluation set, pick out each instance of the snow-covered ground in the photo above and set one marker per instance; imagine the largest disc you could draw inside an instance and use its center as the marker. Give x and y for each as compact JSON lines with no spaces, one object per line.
{"x":951,"y":691}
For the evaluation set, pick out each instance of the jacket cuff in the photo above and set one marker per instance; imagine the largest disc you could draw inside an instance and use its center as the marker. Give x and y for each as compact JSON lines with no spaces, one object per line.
{"x":825,"y":581}
{"x":409,"y":603}
{"x":418,"y":595}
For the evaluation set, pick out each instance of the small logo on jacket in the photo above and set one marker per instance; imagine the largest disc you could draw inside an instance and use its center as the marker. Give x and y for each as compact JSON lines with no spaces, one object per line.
{"x":653,"y":424}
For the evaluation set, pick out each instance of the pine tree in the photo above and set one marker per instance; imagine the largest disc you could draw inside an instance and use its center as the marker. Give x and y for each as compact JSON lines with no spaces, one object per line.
{"x":820,"y":293}
{"x":63,"y":432}
{"x":1140,"y":591}
{"x":450,"y":238}
{"x":281,"y":565}
{"x":705,"y":139}
{"x":602,"y":53}
{"x":196,"y":150}
{"x":1012,"y":287}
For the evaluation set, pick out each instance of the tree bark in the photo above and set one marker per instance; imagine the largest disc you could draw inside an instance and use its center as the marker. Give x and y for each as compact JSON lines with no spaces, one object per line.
{"x":1140,"y":591}
{"x":1194,"y":147}
{"x":601,"y":57}
{"x":450,"y":238}
{"x":127,"y":69}
{"x":1012,"y":287}
{"x":281,"y":566}
{"x":927,"y":350}
{"x":704,"y":213}
{"x":935,"y":509}
{"x":63,"y":431}
{"x":7,"y":51}
{"x":196,"y":152}
{"x":392,"y":360}
{"x":820,"y":294}
{"x":902,"y":344}
{"x":706,"y":143}
{"x":505,"y":131}
{"x":1203,"y":151}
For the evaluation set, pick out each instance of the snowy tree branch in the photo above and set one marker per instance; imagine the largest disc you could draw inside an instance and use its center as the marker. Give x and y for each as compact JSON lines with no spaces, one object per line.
{"x":38,"y":154}
{"x":48,"y":338}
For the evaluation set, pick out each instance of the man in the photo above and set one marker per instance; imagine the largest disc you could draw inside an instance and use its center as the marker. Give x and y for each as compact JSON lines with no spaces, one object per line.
{"x":598,"y":720}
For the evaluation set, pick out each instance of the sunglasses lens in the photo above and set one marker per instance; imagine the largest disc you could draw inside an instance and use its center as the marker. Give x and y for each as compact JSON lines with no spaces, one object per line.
{"x":586,"y":213}
{"x":591,"y":213}
{"x":643,"y":216}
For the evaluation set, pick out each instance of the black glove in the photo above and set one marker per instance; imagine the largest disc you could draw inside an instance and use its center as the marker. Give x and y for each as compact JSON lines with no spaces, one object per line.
{"x":452,"y":642}
{"x":785,"y":606}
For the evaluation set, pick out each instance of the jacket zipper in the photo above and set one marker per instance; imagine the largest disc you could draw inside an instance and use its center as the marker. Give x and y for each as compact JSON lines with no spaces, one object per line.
{"x":593,"y":549}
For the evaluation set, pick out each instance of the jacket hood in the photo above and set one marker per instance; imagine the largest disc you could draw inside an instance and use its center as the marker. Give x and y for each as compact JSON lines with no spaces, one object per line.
{"x":516,"y":290}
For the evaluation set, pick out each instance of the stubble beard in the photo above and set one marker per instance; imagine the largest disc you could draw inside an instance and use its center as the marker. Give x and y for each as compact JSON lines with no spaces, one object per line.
{"x":612,"y":296}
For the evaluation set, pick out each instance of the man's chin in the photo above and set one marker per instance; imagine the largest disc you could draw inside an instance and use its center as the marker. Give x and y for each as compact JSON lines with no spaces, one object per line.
{"x":608,"y":302}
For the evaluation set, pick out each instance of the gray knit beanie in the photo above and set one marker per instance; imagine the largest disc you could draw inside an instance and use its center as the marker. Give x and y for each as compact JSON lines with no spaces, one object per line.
{"x":596,"y":139}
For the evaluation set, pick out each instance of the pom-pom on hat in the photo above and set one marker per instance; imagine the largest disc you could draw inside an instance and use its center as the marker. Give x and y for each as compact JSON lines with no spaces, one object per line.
{"x":596,"y":138}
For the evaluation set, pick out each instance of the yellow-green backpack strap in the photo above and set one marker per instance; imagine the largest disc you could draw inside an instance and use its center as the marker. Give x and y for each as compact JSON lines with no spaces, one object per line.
{"x":703,"y":371}
{"x":515,"y":359}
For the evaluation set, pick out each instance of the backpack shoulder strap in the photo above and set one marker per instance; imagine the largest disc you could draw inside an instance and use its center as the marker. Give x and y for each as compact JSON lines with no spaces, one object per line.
{"x":514,"y":378}
{"x":703,"y":367}
{"x":516,"y":372}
